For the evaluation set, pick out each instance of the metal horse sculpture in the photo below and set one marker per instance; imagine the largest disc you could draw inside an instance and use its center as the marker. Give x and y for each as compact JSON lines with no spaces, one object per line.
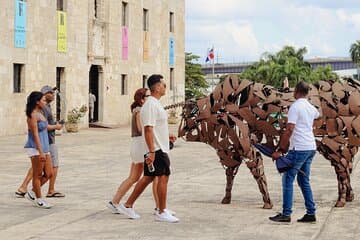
{"x":238,"y":114}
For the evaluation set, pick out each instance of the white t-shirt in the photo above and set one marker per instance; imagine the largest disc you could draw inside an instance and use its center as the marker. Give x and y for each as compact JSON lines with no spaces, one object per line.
{"x":302,"y":114}
{"x":153,"y":114}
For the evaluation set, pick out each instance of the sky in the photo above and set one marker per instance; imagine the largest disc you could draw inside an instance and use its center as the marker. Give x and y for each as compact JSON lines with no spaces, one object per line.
{"x":241,"y":30}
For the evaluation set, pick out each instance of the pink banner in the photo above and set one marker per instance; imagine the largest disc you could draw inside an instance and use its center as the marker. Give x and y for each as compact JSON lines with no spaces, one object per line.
{"x":125,"y":41}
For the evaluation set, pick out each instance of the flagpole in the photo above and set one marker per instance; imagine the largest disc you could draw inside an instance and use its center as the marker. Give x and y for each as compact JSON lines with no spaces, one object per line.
{"x":213,"y":71}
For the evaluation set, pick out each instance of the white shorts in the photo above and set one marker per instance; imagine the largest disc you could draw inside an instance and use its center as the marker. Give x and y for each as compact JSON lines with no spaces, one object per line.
{"x":137,"y":149}
{"x":31,"y":152}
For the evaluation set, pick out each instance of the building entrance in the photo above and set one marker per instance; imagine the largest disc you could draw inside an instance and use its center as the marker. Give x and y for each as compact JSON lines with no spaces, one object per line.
{"x":94,"y":90}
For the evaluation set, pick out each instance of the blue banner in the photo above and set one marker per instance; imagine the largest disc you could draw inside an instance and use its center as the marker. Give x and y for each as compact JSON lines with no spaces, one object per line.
{"x":172,"y":52}
{"x":20,"y":24}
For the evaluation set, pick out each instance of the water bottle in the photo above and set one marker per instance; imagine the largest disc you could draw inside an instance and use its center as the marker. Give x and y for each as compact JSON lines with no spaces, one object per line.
{"x":151,"y":167}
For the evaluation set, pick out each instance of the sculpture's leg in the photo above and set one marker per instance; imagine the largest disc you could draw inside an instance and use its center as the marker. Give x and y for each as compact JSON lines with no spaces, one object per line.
{"x":230,"y":175}
{"x":342,"y":184}
{"x":349,"y":192}
{"x":257,"y":169}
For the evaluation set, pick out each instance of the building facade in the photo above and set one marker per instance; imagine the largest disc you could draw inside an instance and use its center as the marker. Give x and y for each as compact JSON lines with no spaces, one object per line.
{"x":108,"y":47}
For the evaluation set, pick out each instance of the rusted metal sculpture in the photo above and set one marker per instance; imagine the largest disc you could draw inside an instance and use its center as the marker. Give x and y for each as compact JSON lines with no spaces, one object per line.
{"x":238,"y":114}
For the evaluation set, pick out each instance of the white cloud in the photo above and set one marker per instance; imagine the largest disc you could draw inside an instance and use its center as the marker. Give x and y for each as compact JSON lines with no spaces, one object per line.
{"x":353,"y":20}
{"x":232,"y":40}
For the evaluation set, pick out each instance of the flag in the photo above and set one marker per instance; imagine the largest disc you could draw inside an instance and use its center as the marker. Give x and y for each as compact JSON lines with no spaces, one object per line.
{"x":210,"y":55}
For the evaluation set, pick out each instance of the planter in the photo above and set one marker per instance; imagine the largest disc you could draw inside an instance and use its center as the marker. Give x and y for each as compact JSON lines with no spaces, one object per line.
{"x":72,"y":127}
{"x":172,"y":120}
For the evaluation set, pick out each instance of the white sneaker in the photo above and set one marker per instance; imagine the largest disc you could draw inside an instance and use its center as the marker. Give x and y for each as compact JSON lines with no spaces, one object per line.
{"x":113,"y":207}
{"x":30,"y":195}
{"x":171,"y":212}
{"x":166,"y":217}
{"x":130,"y":212}
{"x":41,"y":203}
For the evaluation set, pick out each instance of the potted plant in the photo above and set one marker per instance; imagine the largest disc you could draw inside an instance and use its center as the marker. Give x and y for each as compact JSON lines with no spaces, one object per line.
{"x":172,"y":119}
{"x":73,"y":118}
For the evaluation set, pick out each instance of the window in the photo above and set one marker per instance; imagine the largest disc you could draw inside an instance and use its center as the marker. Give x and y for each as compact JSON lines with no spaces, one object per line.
{"x":95,"y":8}
{"x":124,"y":84}
{"x":144,"y":83}
{"x":145,"y":19}
{"x":59,"y":80}
{"x":171,"y":79}
{"x":18,"y":77}
{"x":124,"y":14}
{"x":171,"y":22}
{"x":60,"y":5}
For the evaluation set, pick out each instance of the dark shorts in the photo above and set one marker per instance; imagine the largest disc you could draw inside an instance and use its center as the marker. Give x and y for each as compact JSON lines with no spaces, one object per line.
{"x":161,"y":164}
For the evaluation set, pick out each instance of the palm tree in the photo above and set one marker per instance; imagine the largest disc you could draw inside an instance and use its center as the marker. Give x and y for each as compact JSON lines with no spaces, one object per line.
{"x":355,"y":54}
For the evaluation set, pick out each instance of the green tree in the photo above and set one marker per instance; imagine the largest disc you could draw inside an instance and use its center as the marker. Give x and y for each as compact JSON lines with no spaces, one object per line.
{"x":195,"y":83}
{"x":288,"y":62}
{"x":355,"y":53}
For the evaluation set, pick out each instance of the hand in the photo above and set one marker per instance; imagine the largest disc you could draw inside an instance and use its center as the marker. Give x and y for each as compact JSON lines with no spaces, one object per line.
{"x":58,"y":126}
{"x":172,"y":137}
{"x":276,"y":155}
{"x":150,"y":158}
{"x":42,"y":157}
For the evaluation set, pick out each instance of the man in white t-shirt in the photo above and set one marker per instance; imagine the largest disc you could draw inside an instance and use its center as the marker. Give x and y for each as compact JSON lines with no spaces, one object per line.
{"x":155,"y":122}
{"x":299,"y":132}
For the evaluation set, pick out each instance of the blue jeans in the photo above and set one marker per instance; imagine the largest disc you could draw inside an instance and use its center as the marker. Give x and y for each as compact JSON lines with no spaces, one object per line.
{"x":302,"y":160}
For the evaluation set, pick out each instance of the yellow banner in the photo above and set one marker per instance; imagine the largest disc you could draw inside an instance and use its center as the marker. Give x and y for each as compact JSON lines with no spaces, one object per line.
{"x":146,"y":47}
{"x":61,"y":34}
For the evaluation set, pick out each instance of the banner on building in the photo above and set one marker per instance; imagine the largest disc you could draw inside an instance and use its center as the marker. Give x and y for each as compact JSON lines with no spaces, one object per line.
{"x":20,"y":24}
{"x":172,"y":51}
{"x":146,"y":47}
{"x":61,"y":33}
{"x":125,"y":42}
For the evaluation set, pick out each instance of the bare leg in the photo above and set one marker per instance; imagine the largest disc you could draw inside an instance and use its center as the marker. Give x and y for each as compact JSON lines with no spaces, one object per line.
{"x":52,"y":180}
{"x":27,"y":179}
{"x":47,"y":171}
{"x":162,"y":192}
{"x":37,"y":166}
{"x":135,"y":173}
{"x":257,"y":169}
{"x":155,"y":193}
{"x":139,"y":188}
{"x":230,"y":175}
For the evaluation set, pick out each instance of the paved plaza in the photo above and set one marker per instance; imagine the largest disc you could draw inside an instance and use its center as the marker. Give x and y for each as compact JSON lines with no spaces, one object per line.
{"x":94,"y":161}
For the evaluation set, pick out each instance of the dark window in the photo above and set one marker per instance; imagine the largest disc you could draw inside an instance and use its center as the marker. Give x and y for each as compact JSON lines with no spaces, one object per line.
{"x":18,"y":77}
{"x":124,"y":84}
{"x":60,"y":5}
{"x":144,"y":83}
{"x":59,"y":80}
{"x":145,"y":19}
{"x":171,"y":22}
{"x":172,"y":78}
{"x":124,"y":14}
{"x":95,"y":8}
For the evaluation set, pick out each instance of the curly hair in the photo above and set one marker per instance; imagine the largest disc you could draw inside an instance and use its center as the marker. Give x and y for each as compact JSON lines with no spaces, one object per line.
{"x":31,"y":102}
{"x":139,"y":95}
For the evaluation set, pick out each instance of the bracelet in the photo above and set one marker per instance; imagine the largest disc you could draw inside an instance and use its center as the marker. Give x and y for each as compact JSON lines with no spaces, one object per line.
{"x":151,"y":152}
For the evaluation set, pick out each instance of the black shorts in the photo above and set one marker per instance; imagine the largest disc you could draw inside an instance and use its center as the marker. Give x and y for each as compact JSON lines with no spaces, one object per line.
{"x":161,"y":164}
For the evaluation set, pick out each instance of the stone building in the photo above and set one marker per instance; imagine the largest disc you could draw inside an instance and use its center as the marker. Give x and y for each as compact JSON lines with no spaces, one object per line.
{"x":108,"y":47}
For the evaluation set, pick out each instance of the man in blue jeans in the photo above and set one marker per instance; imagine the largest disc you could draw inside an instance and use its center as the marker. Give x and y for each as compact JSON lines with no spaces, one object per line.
{"x":299,"y":133}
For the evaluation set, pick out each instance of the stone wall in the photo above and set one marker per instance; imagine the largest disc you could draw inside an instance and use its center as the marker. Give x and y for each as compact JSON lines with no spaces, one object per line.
{"x":90,"y":41}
